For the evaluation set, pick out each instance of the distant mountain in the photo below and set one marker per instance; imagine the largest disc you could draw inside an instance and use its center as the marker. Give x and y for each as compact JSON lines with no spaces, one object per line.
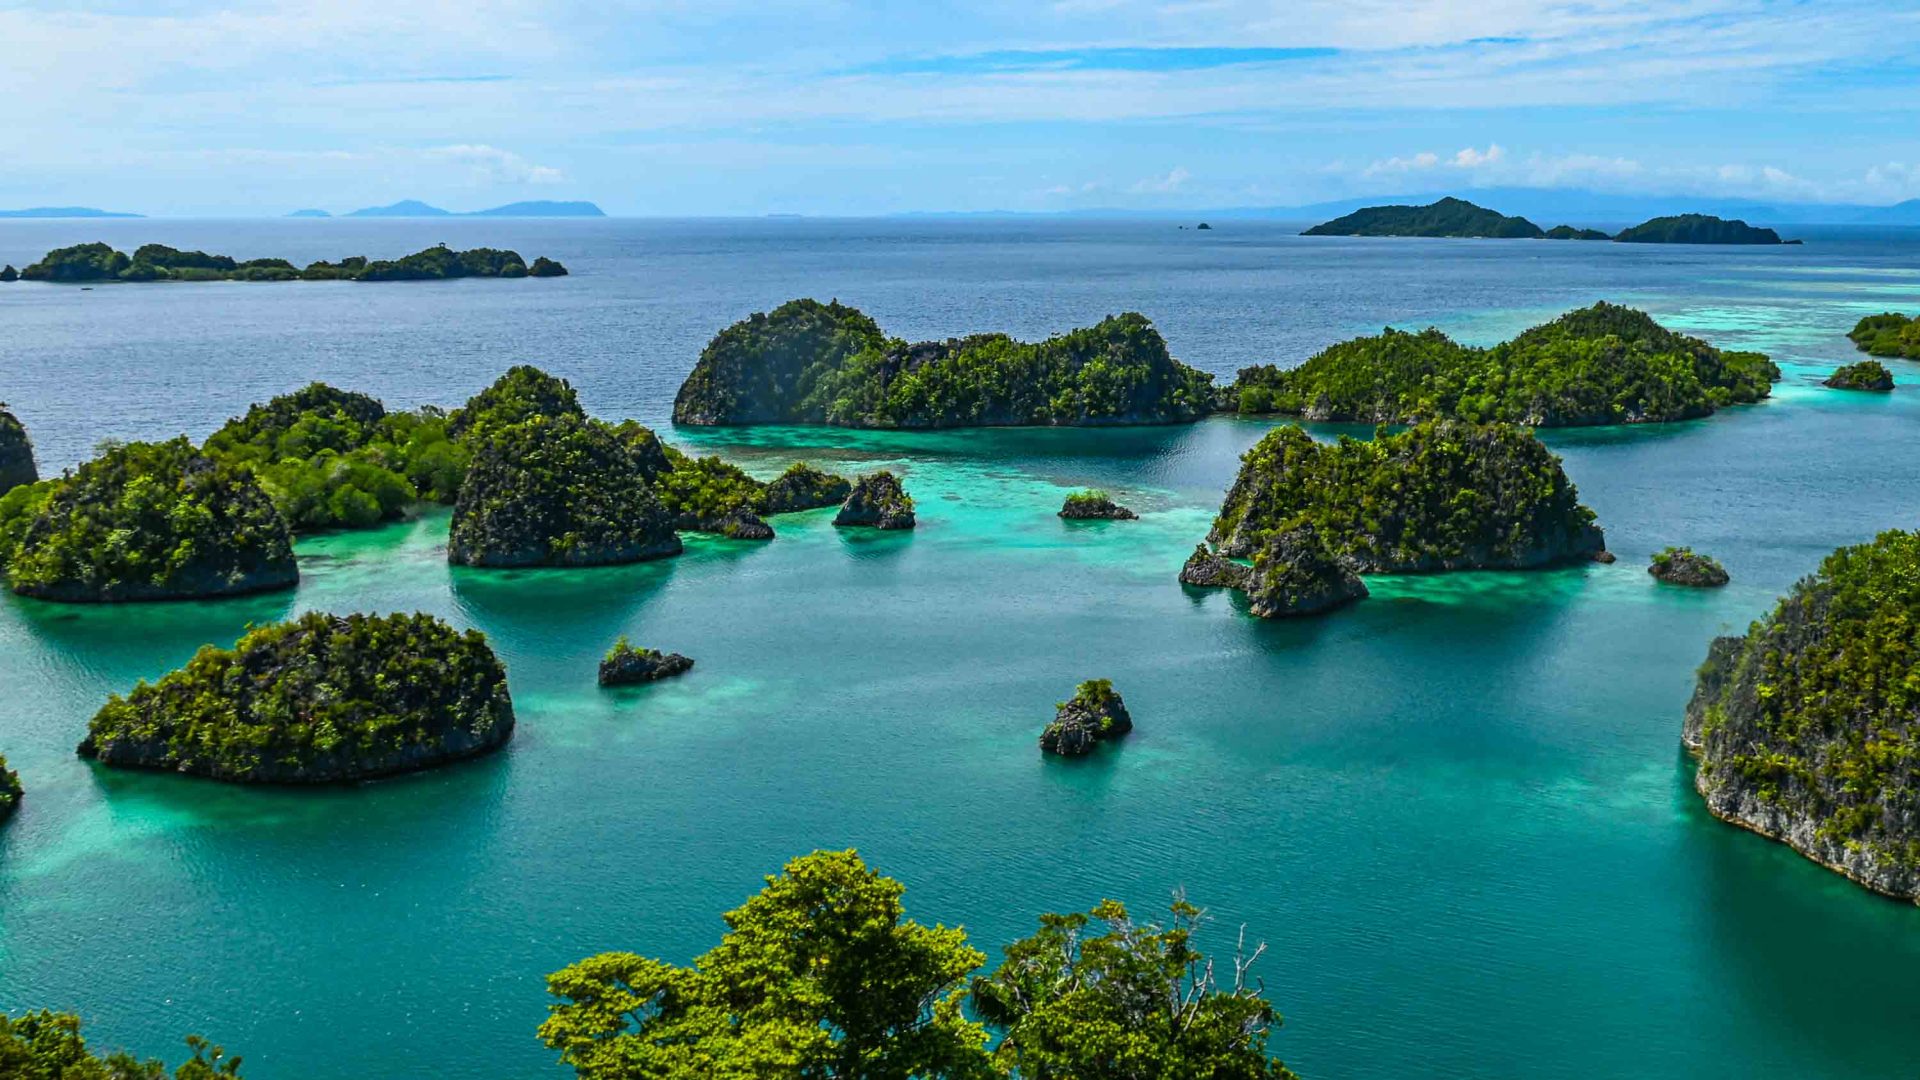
{"x":1905,"y":213}
{"x":1600,"y":208}
{"x":1443,"y":217}
{"x":309,"y":213}
{"x":65,"y":212}
{"x":535,"y":208}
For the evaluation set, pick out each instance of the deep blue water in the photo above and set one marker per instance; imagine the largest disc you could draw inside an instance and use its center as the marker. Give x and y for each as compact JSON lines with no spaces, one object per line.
{"x":1458,"y":810}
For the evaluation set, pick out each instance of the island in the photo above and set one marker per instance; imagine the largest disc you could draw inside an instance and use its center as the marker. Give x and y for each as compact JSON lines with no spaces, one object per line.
{"x":147,"y":521}
{"x":1442,"y":495}
{"x":10,"y":790}
{"x":556,"y":491}
{"x":1095,"y":714}
{"x":322,"y":699}
{"x":1682,"y":566}
{"x":1094,"y":505}
{"x":811,"y":363}
{"x":1568,"y":232}
{"x":96,"y":262}
{"x":1604,"y":364}
{"x":803,"y":487}
{"x":1862,"y":375}
{"x":1803,"y":727}
{"x":1449,"y":217}
{"x":309,"y":213}
{"x":16,"y":453}
{"x":1209,"y":570}
{"x":877,"y":501}
{"x":624,"y":664}
{"x":1695,"y":229}
{"x":66,"y":212}
{"x":1888,"y":334}
{"x":8,"y":275}
{"x":1296,"y":573}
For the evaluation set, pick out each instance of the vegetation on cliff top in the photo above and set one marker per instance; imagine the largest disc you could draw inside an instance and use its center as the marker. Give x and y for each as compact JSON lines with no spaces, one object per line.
{"x":320,"y":699}
{"x":1806,"y":727}
{"x":1861,"y":375}
{"x":812,"y":363}
{"x":1442,"y":495}
{"x":1696,"y":229}
{"x":146,"y":521}
{"x":1447,"y":217}
{"x":48,"y":1045}
{"x":822,"y":975}
{"x":556,"y":491}
{"x":157,"y":262}
{"x":1887,"y":334}
{"x":10,"y":790}
{"x":16,"y":453}
{"x":1604,"y":364}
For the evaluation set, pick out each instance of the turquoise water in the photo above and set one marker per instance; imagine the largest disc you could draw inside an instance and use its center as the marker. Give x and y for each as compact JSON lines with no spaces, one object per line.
{"x":1457,"y":811}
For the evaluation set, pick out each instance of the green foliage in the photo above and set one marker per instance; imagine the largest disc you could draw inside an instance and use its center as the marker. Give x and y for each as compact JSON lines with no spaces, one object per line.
{"x":1447,"y":217}
{"x":147,"y":521}
{"x":82,"y":262}
{"x":808,"y":363}
{"x":1861,"y":375}
{"x":16,"y":453}
{"x":1887,"y":334}
{"x":555,"y":491}
{"x":819,"y":975}
{"x":1604,"y":364}
{"x":1095,"y":695}
{"x":1138,"y":1000}
{"x":698,"y":492}
{"x":1568,"y":232}
{"x":803,"y":487}
{"x":321,"y":698}
{"x":1090,"y":499}
{"x":1696,"y":229}
{"x":1815,"y":708}
{"x":623,"y":648}
{"x":48,"y":1045}
{"x":1441,"y":495}
{"x":158,"y":262}
{"x":523,"y":393}
{"x":10,"y":790}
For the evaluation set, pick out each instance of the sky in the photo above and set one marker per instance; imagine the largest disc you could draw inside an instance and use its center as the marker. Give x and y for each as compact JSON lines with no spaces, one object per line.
{"x":723,"y":107}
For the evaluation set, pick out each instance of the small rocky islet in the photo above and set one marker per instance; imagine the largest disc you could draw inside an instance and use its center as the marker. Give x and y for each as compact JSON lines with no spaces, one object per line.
{"x":1094,"y":505}
{"x":1869,"y":375}
{"x":98,"y":263}
{"x":1683,"y":566}
{"x":321,"y":699}
{"x":1804,"y":727}
{"x":877,"y":501}
{"x":625,"y":664}
{"x":1095,"y":714}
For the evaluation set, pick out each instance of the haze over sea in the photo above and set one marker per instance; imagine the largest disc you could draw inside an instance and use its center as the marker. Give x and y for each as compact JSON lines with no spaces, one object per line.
{"x":1458,"y":812}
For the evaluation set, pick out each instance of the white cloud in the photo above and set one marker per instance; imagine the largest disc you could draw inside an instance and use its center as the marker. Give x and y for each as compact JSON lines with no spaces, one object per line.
{"x":490,"y":163}
{"x":1173,"y":181}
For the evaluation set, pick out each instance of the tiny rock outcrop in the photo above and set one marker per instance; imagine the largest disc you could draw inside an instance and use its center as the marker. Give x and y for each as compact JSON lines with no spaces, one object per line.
{"x":743,"y":524}
{"x":1094,"y":715}
{"x":1681,"y":566}
{"x":877,"y":500}
{"x":1094,"y":506}
{"x":1208,"y":570}
{"x":1297,"y":574}
{"x":625,"y":665}
{"x":803,"y":487}
{"x":1871,"y":375}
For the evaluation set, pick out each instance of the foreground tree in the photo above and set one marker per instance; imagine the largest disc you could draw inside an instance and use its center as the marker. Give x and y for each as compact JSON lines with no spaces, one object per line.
{"x":48,"y":1046}
{"x":1137,"y":1002}
{"x":818,"y":976}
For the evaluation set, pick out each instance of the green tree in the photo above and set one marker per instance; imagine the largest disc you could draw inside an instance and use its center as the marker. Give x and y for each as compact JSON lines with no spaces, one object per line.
{"x":48,"y":1046}
{"x":818,"y":976}
{"x":1137,"y":1002}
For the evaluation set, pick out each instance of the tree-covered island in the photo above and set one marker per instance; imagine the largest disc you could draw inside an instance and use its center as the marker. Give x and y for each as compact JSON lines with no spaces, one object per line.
{"x":1805,"y":727}
{"x":811,"y":363}
{"x":1870,"y":375}
{"x":1888,"y":334}
{"x":321,"y":699}
{"x":96,"y":262}
{"x":1696,"y":229}
{"x":1442,"y":495}
{"x":1449,"y":217}
{"x":1604,"y":364}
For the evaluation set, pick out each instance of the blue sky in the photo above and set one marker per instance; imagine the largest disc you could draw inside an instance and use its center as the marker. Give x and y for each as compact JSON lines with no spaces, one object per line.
{"x":854,"y":107}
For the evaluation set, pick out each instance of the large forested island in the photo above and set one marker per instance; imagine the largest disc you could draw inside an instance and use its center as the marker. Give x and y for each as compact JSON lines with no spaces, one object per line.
{"x":1696,"y":229}
{"x":1442,"y":495}
{"x":322,"y":699}
{"x":145,"y":521}
{"x":89,"y":263}
{"x":1805,"y":727}
{"x":16,"y":453}
{"x":1889,"y":334}
{"x":812,"y":363}
{"x":1448,"y":217}
{"x":1604,"y":364}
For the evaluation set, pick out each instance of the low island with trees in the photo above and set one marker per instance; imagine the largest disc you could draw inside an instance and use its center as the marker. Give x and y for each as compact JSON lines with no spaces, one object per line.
{"x":322,"y":699}
{"x":1603,"y":364}
{"x":626,"y":664}
{"x":811,"y":363}
{"x":1804,"y":726}
{"x":1442,"y":495}
{"x":1889,"y":334}
{"x":1459,"y":219}
{"x":98,"y":263}
{"x":1868,"y":375}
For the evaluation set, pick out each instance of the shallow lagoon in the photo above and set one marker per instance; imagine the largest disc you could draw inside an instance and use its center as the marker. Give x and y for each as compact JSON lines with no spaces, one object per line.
{"x":1458,"y":810}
